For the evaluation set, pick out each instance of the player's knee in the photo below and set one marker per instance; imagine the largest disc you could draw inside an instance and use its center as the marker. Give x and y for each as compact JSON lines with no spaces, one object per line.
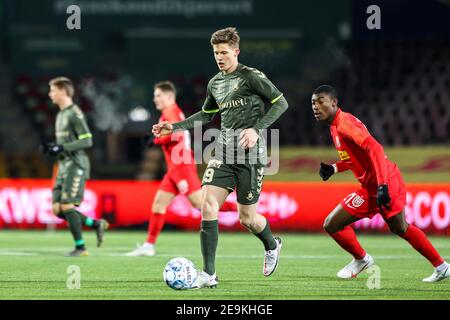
{"x":398,"y":229}
{"x":56,"y":209}
{"x":209,"y":208}
{"x":67,"y":206}
{"x":159,"y":208}
{"x":330,"y":227}
{"x":246,"y":221}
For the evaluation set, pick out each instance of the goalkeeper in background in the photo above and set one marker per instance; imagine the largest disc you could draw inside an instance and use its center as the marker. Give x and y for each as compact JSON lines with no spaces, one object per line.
{"x":72,"y":137}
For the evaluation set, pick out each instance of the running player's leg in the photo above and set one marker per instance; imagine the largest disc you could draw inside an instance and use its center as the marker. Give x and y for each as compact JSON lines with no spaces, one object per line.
{"x":337,"y":225}
{"x":259,"y":226}
{"x":249,"y":185}
{"x":419,"y":241}
{"x":218,"y":181}
{"x":75,"y":226}
{"x":195,"y":198}
{"x":159,"y":207}
{"x":72,"y":194}
{"x":73,"y":220}
{"x":212,"y":198}
{"x":164,"y":196}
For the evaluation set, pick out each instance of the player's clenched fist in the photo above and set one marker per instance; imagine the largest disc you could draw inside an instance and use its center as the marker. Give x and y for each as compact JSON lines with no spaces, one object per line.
{"x":248,"y":138}
{"x":162,"y":129}
{"x":326,"y":171}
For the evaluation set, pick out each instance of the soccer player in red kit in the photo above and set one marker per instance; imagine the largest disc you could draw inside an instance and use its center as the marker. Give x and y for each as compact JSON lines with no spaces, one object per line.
{"x":181,"y":176}
{"x":382,"y":188}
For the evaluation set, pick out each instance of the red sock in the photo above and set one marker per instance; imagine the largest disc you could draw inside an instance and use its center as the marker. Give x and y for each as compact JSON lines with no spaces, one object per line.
{"x":419,"y":241}
{"x":346,"y":238}
{"x":228,"y":206}
{"x":155,"y":226}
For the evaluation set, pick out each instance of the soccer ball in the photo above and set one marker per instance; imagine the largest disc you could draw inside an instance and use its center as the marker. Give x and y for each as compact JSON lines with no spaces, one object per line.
{"x":179,"y":273}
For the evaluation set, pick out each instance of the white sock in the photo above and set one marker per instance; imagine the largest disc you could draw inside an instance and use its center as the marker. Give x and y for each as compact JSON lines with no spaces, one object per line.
{"x":442,"y":267}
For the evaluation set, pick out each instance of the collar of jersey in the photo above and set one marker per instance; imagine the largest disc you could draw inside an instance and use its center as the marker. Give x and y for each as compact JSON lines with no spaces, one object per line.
{"x":230,"y":74}
{"x":335,"y":120}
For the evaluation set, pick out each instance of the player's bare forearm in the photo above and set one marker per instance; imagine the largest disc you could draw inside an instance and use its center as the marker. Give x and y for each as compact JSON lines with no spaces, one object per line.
{"x":275,"y":111}
{"x":199,"y":118}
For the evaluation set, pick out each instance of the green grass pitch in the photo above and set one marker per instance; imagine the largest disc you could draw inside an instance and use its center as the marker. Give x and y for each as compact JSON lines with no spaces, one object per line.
{"x":33,"y":266}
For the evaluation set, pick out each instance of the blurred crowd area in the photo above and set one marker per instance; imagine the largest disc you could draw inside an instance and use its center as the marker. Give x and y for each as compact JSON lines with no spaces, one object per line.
{"x":398,"y":85}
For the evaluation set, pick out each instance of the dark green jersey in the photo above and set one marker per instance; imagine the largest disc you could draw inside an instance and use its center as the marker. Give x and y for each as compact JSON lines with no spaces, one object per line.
{"x":240,"y":97}
{"x":72,"y":132}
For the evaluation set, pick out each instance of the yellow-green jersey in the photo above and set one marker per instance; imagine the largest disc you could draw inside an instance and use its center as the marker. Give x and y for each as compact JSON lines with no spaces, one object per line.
{"x":239,"y":97}
{"x":72,"y":132}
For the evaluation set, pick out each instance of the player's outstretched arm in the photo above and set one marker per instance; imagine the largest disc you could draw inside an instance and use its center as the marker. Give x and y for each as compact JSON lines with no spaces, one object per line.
{"x":197,"y":119}
{"x":279,"y":106}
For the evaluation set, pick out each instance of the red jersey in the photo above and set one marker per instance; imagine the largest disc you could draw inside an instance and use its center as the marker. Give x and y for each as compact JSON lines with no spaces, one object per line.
{"x":176,"y":146}
{"x":360,"y":152}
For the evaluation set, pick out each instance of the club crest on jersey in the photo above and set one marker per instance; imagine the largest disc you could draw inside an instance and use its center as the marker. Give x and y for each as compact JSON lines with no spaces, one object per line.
{"x":357,"y":201}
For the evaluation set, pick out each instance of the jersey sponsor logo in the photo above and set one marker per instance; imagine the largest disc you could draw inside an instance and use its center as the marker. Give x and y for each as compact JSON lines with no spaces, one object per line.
{"x":343,"y":155}
{"x":233,"y":103}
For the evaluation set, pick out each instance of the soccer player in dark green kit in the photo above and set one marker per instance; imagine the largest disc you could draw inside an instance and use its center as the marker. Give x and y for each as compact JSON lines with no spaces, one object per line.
{"x":72,"y":137}
{"x":238,"y":94}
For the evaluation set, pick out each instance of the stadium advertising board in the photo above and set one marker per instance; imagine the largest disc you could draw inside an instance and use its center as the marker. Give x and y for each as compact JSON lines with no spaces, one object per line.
{"x":289,"y":206}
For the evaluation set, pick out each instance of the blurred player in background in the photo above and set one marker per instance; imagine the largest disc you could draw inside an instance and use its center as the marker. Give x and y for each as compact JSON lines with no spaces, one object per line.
{"x":238,"y":94}
{"x":382,"y":188}
{"x":181,"y":177}
{"x":72,"y":137}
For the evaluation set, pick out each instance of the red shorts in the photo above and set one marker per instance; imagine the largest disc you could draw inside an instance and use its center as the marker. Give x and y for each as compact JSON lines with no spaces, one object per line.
{"x":183,"y":179}
{"x":363,"y":202}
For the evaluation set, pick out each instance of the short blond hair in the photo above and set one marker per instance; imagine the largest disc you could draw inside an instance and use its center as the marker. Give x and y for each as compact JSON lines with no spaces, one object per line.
{"x":63,"y":83}
{"x":228,"y":35}
{"x":166,"y":86}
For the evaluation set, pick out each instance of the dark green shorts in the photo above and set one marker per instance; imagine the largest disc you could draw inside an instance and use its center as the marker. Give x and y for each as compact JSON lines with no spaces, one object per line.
{"x":69,"y":187}
{"x":246,"y":178}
